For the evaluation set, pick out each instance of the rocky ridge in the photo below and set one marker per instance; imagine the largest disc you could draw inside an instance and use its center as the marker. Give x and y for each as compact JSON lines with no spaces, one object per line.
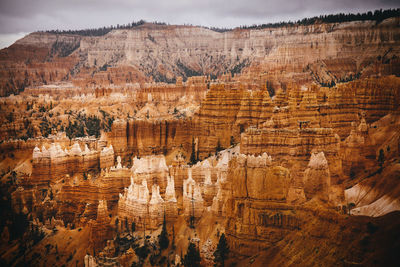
{"x":325,"y":53}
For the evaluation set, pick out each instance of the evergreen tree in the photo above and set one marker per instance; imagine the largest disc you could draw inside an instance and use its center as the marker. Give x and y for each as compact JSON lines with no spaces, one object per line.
{"x":232,"y":141}
{"x":350,"y":206}
{"x":142,"y":252}
{"x":193,"y":154}
{"x":222,"y":251}
{"x":19,"y":225}
{"x":116,"y":225}
{"x":192,"y":257}
{"x":163,"y":238}
{"x":173,"y":236}
{"x":133,"y":227}
{"x":92,"y":125}
{"x":219,"y":147}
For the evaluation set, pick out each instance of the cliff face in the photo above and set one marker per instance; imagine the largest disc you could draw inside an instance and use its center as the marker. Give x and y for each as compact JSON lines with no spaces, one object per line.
{"x":38,"y":58}
{"x":230,"y":107}
{"x":257,"y":205}
{"x":324,"y":53}
{"x":377,"y":193}
{"x":172,"y":50}
{"x":142,"y":137}
{"x":328,"y":50}
{"x":227,"y":110}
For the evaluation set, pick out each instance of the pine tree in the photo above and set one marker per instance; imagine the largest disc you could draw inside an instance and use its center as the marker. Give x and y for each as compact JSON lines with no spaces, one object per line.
{"x":222,"y":251}
{"x":232,"y":142}
{"x":116,"y":225}
{"x":163,"y":238}
{"x":219,"y":147}
{"x":133,"y":227}
{"x":173,"y":236}
{"x":192,"y":257}
{"x":142,"y":252}
{"x":193,"y":154}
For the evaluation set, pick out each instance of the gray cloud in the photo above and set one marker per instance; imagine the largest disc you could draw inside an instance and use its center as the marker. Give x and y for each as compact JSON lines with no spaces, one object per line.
{"x":27,"y":15}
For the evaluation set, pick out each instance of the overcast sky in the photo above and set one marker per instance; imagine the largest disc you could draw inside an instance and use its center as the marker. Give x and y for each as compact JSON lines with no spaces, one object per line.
{"x":19,"y":17}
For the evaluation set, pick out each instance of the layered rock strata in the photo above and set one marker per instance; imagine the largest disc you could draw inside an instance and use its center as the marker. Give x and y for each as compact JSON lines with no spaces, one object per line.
{"x":292,"y":148}
{"x":133,"y":204}
{"x":55,"y":162}
{"x":324,"y":53}
{"x":229,"y":108}
{"x":141,"y":137}
{"x":136,"y":205}
{"x":107,"y":157}
{"x":258,"y":202}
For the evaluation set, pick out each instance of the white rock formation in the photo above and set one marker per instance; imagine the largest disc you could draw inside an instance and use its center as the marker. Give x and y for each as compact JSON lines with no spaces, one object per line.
{"x":133,"y":204}
{"x":119,"y":165}
{"x":90,"y":261}
{"x":36,"y":153}
{"x":192,"y":200}
{"x":55,"y":151}
{"x":318,"y":161}
{"x":152,"y":168}
{"x":137,"y":192}
{"x":136,"y":205}
{"x":107,"y":151}
{"x":107,"y":157}
{"x":156,"y":198}
{"x":170,"y":191}
{"x":149,"y":164}
{"x":206,"y":166}
{"x":259,"y":161}
{"x":218,"y":200}
{"x":75,"y":150}
{"x":156,"y":208}
{"x":222,"y":164}
{"x":171,"y":205}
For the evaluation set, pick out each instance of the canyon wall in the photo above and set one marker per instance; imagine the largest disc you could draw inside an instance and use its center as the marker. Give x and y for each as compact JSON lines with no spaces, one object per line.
{"x":325,"y":53}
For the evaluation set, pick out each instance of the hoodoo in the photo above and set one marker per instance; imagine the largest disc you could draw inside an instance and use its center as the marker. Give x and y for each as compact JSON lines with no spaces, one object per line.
{"x":151,"y":144}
